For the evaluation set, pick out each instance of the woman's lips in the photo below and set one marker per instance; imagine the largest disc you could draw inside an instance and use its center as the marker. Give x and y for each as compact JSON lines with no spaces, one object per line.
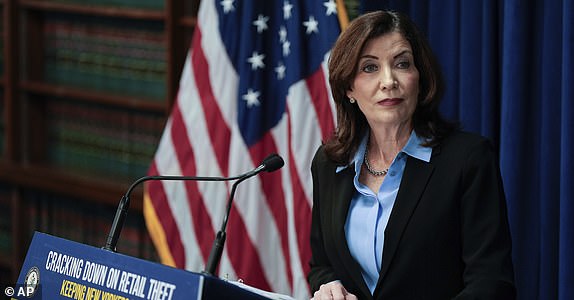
{"x":390,"y":101}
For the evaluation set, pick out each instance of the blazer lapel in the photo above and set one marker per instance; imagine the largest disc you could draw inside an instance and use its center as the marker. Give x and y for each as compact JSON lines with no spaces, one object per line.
{"x":343,"y":193}
{"x":413,"y":184}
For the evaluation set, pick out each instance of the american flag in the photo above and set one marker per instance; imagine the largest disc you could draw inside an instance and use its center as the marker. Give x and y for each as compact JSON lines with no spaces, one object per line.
{"x":254,"y":83}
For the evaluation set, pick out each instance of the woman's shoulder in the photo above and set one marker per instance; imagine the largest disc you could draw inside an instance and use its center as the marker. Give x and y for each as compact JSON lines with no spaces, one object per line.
{"x":321,"y":159}
{"x":320,"y":156}
{"x":463,"y":143}
{"x":464,"y":139}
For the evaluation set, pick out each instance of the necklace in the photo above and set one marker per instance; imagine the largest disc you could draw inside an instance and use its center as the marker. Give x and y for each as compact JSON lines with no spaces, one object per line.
{"x":373,"y":172}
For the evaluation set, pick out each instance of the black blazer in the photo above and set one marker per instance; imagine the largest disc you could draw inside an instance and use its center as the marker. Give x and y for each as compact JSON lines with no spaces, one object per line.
{"x":447,"y":236}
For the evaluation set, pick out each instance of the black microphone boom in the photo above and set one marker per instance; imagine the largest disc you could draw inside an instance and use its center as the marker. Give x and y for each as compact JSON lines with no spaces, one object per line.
{"x":124,"y":205}
{"x":269,"y":164}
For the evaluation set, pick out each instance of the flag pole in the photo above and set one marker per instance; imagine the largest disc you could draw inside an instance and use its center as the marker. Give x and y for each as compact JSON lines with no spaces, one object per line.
{"x":342,"y":14}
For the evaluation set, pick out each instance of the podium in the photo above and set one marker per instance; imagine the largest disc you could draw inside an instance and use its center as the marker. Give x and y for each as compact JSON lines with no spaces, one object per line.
{"x":57,"y":268}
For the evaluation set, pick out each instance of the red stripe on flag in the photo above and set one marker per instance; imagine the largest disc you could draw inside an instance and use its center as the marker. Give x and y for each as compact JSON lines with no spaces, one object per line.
{"x":218,"y":131}
{"x":201,"y":220}
{"x":160,"y":205}
{"x":274,"y":194}
{"x":245,"y":262}
{"x":319,"y":94}
{"x":242,"y":253}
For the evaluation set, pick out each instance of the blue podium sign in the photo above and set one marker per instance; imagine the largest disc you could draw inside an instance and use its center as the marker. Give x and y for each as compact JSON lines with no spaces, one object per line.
{"x":57,"y":268}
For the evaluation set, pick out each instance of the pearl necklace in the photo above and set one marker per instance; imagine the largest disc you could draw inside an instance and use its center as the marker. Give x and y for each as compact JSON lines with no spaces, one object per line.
{"x":373,"y":172}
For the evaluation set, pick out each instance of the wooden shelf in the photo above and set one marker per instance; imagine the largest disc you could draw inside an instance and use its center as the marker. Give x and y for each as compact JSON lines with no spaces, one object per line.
{"x":130,"y":102}
{"x":89,"y":9}
{"x":95,"y":188}
{"x":189,"y":22}
{"x":29,"y":116}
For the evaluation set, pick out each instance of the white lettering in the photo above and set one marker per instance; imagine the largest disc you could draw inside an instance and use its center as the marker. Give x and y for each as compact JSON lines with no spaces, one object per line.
{"x":113,"y":276}
{"x":132,"y":284}
{"x":159,"y":290}
{"x":64,"y":264}
{"x":95,"y":273}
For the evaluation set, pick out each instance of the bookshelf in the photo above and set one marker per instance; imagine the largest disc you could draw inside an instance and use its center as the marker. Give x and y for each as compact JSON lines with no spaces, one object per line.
{"x":86,"y":87}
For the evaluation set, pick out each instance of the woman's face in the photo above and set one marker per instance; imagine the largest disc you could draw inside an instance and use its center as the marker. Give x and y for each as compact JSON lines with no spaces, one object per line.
{"x":386,"y":86}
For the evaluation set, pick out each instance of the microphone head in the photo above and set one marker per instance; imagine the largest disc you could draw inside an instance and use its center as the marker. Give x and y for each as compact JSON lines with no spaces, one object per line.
{"x":273,"y":162}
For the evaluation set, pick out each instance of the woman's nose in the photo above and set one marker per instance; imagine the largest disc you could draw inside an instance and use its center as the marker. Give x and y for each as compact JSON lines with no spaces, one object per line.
{"x":387,"y":81}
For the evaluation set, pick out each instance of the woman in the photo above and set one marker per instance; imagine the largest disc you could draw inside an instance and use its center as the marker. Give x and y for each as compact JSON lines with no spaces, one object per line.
{"x":405,"y":206}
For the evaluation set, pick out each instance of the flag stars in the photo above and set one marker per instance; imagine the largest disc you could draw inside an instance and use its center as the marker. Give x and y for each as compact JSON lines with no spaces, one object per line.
{"x":256,"y":61}
{"x":252,"y":98}
{"x":286,"y":48}
{"x":287,"y":7}
{"x":280,"y":70}
{"x":227,"y":5}
{"x":261,"y":23}
{"x":331,"y":7}
{"x":312,"y":25}
{"x":282,"y":34}
{"x":285,"y":44}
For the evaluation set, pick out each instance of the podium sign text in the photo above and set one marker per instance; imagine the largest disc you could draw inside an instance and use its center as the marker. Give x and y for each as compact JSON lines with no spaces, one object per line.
{"x":56,"y":268}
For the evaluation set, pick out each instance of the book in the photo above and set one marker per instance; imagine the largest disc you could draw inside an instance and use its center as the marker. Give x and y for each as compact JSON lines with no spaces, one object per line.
{"x":89,"y":52}
{"x":85,"y":222}
{"x":142,"y":4}
{"x":99,"y":139}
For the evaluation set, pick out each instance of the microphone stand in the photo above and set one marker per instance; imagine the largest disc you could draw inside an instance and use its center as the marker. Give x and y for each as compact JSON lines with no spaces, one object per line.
{"x":269,"y":164}
{"x":124,"y":204}
{"x":219,"y":242}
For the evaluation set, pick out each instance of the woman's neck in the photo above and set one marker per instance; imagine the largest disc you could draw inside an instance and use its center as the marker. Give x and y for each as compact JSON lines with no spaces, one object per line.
{"x":385,"y":142}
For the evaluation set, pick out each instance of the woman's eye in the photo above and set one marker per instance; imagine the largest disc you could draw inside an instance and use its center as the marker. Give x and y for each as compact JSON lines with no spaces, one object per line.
{"x":370,"y":68}
{"x":404,"y":64}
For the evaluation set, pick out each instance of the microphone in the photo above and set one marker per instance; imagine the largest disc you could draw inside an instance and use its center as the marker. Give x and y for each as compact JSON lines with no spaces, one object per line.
{"x":271,"y":163}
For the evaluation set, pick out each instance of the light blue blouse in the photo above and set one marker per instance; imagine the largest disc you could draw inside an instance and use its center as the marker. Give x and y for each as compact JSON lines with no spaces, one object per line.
{"x":369,"y":212}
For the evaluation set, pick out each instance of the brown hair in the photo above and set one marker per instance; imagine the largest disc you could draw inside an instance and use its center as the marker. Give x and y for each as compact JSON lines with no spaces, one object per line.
{"x":351,"y":123}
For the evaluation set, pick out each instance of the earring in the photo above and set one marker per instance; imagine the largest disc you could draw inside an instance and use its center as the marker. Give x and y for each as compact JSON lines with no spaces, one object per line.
{"x":352,"y":100}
